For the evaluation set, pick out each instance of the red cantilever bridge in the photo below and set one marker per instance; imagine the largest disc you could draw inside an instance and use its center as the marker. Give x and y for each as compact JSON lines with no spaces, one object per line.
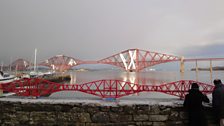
{"x":102,"y":88}
{"x":129,"y":60}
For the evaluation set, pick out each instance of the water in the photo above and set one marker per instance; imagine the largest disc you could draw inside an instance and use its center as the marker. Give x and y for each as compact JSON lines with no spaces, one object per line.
{"x":150,"y":78}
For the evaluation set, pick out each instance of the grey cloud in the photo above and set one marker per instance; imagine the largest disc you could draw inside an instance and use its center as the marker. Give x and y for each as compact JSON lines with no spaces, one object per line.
{"x":212,"y":50}
{"x":95,"y":29}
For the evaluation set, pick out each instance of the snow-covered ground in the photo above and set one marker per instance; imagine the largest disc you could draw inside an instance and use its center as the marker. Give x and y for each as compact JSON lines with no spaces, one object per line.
{"x":165,"y":102}
{"x":78,"y":97}
{"x":83,"y":98}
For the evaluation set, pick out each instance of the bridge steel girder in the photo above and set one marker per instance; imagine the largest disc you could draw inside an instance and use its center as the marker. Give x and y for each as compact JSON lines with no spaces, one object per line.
{"x":101,"y":88}
{"x":136,"y":59}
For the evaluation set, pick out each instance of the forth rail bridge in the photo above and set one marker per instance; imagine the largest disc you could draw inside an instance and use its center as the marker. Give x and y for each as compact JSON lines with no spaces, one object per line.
{"x":129,"y":60}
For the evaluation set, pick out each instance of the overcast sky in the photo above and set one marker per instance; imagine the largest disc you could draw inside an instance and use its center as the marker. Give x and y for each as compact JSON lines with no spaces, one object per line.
{"x":96,"y":29}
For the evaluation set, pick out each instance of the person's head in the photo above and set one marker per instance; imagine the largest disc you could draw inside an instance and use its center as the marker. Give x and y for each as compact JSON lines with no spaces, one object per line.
{"x":194,"y":86}
{"x":217,"y":82}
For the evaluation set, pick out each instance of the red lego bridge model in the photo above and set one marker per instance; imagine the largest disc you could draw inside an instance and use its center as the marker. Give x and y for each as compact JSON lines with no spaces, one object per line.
{"x":102,"y":88}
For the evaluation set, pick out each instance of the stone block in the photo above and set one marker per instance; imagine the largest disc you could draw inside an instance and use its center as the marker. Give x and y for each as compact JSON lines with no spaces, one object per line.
{"x":91,"y":109}
{"x":105,"y":108}
{"x":10,"y":119}
{"x":10,"y":123}
{"x":147,"y":123}
{"x":8,"y":115}
{"x":154,"y":109}
{"x":23,"y":117}
{"x":69,"y":124}
{"x":77,"y":110}
{"x":141,"y":109}
{"x":8,"y":108}
{"x":158,"y":118}
{"x":174,"y":115}
{"x":77,"y":124}
{"x":159,"y":124}
{"x":140,"y":117}
{"x":116,"y":117}
{"x":128,"y":110}
{"x":165,"y":111}
{"x":111,"y":124}
{"x":118,"y":109}
{"x":83,"y":117}
{"x":66,"y":108}
{"x":100,"y":117}
{"x":175,"y":123}
{"x":144,"y":123}
{"x":183,"y":115}
{"x":43,"y":117}
{"x":93,"y":124}
{"x":73,"y":117}
{"x":57,"y":108}
{"x":65,"y":117}
{"x":31,"y":107}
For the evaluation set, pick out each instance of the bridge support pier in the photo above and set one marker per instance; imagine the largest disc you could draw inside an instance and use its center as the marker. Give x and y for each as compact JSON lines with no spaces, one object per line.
{"x":211,"y":78}
{"x":210,"y":66}
{"x":196,"y":68}
{"x":182,"y":64}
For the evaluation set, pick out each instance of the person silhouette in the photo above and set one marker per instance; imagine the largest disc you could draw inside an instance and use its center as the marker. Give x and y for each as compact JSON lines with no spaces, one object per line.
{"x":218,"y":101}
{"x":193,"y":104}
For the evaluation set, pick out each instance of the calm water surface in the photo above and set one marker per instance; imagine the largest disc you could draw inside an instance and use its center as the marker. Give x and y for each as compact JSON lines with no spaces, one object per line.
{"x":152,"y":77}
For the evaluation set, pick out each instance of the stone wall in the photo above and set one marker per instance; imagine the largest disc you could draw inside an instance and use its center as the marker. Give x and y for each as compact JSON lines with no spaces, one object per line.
{"x":92,"y":114}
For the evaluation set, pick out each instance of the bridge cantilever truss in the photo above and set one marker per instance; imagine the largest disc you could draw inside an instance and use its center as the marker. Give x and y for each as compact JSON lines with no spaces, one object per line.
{"x":20,"y":64}
{"x":102,"y":88}
{"x":136,"y":59}
{"x":61,"y":62}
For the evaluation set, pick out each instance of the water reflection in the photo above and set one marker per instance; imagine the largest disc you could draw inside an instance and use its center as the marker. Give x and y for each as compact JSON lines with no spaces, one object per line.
{"x":196,"y":75}
{"x":73,"y":78}
{"x":131,"y":77}
{"x":211,"y":76}
{"x":152,"y":77}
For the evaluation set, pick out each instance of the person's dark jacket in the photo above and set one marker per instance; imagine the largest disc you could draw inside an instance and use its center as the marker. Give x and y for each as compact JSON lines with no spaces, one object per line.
{"x":193,"y":100}
{"x":218,"y":100}
{"x":193,"y":105}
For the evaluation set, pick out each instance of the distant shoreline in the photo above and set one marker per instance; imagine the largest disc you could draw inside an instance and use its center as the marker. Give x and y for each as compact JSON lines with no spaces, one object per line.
{"x":217,"y":68}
